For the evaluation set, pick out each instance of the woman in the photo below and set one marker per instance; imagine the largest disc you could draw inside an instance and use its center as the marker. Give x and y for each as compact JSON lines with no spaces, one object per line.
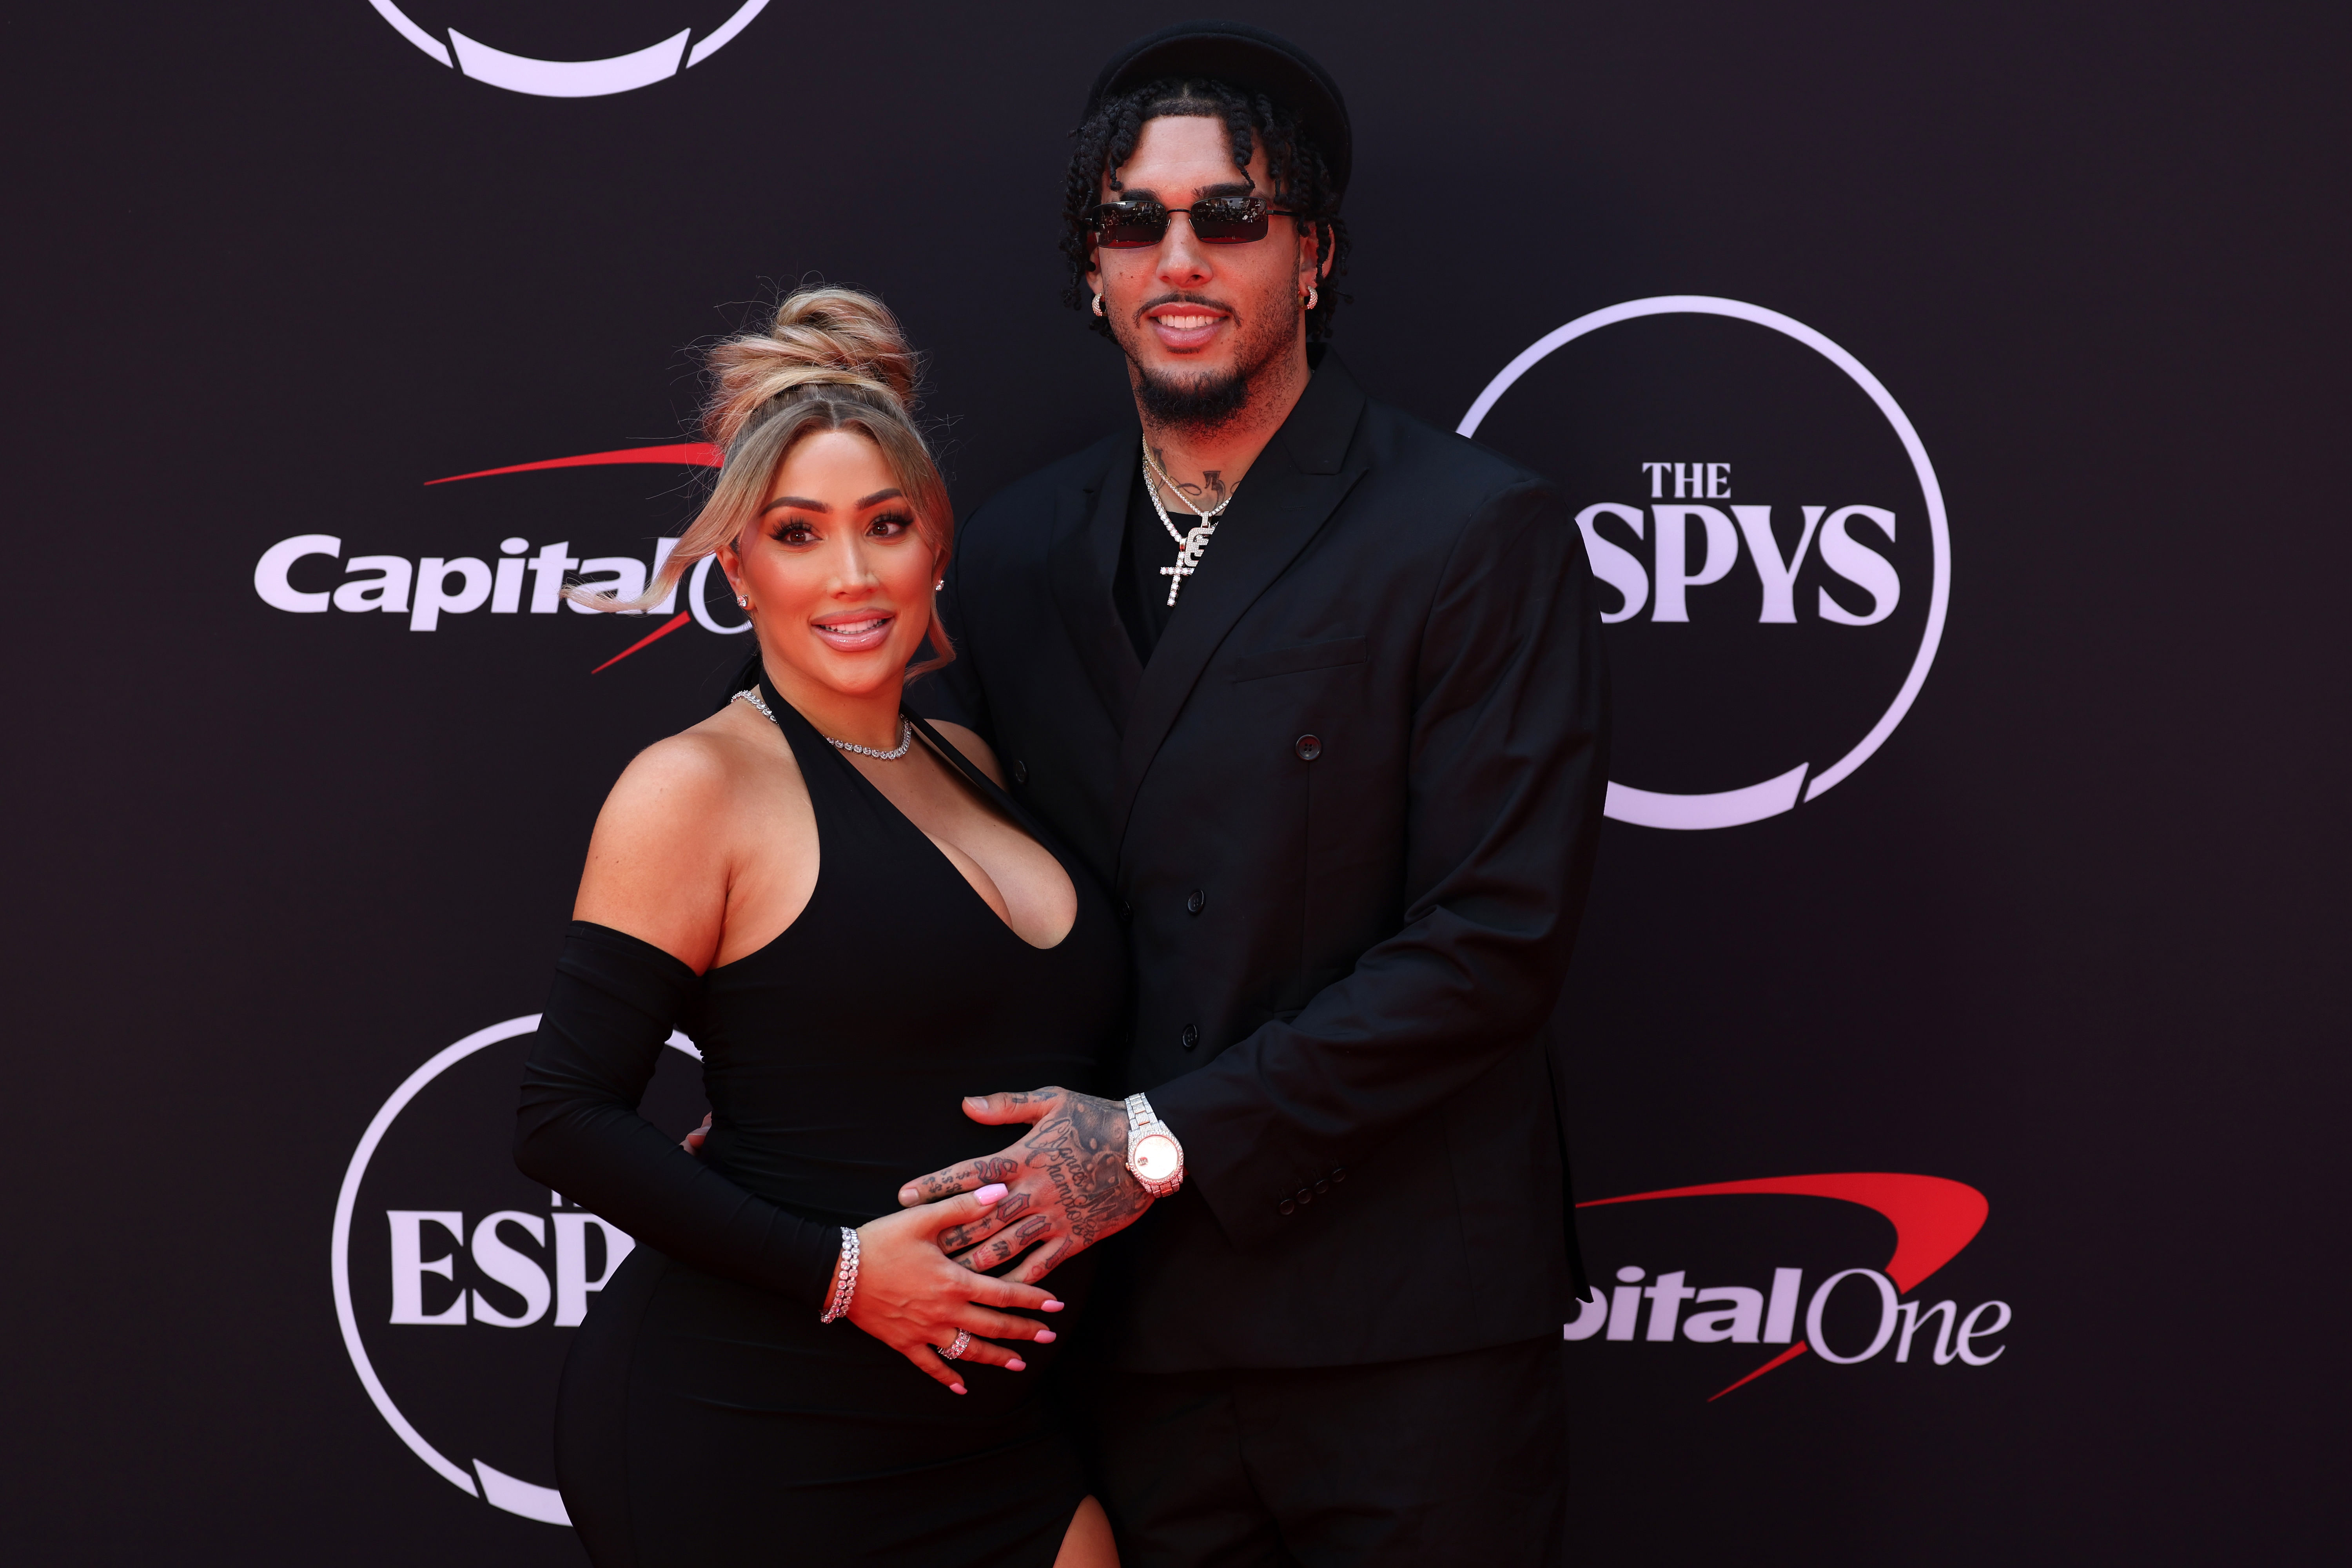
{"x":857,"y":926}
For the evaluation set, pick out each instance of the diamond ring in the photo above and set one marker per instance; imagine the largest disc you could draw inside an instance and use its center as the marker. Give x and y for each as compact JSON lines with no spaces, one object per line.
{"x":962,"y":1344}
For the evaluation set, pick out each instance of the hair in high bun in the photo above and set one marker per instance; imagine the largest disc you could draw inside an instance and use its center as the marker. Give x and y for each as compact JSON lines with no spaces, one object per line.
{"x":835,"y":360}
{"x":823,"y":337}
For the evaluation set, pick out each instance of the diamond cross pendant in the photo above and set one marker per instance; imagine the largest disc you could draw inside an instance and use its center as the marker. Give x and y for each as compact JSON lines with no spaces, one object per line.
{"x":1188,"y":558}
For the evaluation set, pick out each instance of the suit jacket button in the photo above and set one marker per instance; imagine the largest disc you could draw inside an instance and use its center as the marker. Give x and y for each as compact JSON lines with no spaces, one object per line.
{"x":1195,"y":902}
{"x":1308,"y":747}
{"x":1019,"y":771}
{"x":1192,"y":1035}
{"x":1125,"y":913}
{"x":1284,"y":1206}
{"x":1305,"y":1196}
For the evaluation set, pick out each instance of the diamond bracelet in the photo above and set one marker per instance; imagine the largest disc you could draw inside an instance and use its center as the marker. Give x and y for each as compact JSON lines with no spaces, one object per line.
{"x":844,"y":1284}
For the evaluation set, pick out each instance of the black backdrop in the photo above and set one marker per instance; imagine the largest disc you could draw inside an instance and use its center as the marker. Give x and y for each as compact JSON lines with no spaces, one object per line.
{"x":2071,"y":937}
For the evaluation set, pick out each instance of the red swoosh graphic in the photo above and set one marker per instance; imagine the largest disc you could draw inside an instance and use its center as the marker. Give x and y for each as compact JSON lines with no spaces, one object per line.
{"x":1783,"y":1359}
{"x":658,"y":633}
{"x":1934,"y":1217}
{"x":693,"y":454}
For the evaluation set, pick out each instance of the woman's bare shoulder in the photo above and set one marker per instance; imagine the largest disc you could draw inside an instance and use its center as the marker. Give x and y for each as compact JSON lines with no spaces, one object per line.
{"x":732,"y":751}
{"x":975,"y":751}
{"x":674,"y":833}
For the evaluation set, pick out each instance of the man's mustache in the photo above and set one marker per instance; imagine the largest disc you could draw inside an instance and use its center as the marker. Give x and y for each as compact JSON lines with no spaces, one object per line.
{"x":1183,"y":299}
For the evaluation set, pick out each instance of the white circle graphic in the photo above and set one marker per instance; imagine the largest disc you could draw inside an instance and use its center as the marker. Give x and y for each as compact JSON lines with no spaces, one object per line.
{"x":570,"y":78}
{"x":697,"y":589}
{"x":501,"y":1490}
{"x":1729,"y":808}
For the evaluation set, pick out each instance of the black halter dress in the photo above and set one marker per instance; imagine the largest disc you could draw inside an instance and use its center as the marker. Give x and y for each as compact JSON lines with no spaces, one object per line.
{"x":706,"y":1415}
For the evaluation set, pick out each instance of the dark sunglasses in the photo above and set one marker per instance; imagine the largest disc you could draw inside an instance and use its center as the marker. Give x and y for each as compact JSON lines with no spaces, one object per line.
{"x":1223,"y":220}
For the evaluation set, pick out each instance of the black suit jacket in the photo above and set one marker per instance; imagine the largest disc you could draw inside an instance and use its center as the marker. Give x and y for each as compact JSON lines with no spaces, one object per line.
{"x":1350,"y":807}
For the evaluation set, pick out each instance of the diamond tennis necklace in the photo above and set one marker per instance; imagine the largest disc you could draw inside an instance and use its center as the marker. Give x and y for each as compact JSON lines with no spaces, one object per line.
{"x":1189,"y":546}
{"x":905,"y":729}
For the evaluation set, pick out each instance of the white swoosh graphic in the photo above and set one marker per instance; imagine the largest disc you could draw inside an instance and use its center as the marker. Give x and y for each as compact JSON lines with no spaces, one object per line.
{"x":1727,"y":808}
{"x":569,"y":79}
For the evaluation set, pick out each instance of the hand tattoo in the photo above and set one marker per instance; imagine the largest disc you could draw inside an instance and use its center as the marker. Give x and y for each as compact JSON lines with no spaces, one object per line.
{"x":1070,"y":1184}
{"x":1082,"y":1150}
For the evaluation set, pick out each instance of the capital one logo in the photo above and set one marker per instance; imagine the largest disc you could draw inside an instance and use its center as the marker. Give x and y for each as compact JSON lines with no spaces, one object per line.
{"x":457,"y":1280}
{"x":1768,"y":525}
{"x":299,"y":574}
{"x":541,"y":76}
{"x":1794,"y":1284}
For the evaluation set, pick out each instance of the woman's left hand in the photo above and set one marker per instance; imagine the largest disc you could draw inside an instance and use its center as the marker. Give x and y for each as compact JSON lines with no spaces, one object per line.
{"x":914,"y":1298}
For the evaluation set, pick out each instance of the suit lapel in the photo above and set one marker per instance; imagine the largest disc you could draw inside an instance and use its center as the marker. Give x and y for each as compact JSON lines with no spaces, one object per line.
{"x":1081,"y":559}
{"x":1295,"y":485}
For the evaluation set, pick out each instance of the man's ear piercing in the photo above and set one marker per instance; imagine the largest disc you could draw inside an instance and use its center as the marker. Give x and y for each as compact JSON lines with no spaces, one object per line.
{"x":940,"y":584}
{"x":1099,"y":309}
{"x":1310,"y":295}
{"x":744,"y":600}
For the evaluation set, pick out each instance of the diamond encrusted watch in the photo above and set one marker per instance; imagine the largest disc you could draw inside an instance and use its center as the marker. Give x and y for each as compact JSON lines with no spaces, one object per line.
{"x":1154,"y":1158}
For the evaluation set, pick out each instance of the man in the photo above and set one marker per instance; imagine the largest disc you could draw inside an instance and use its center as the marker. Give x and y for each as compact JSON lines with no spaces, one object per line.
{"x":1317,"y":690}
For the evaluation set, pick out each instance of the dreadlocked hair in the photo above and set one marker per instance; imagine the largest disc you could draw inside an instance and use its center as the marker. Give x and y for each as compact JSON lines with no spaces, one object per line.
{"x":1302,"y":180}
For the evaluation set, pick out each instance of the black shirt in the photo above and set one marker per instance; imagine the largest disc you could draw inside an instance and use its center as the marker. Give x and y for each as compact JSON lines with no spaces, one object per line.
{"x":1141,"y":588}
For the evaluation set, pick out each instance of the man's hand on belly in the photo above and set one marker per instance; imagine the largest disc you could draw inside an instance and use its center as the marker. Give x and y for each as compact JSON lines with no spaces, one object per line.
{"x":1070,"y":1185}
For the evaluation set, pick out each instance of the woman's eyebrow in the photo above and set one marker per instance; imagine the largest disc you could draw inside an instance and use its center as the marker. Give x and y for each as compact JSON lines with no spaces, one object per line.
{"x":803,"y":503}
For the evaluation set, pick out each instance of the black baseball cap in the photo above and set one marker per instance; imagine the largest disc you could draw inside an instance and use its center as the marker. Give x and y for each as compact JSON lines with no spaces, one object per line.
{"x":1246,"y":57}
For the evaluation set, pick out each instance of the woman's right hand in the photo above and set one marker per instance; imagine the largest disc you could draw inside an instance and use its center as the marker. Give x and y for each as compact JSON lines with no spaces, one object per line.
{"x":913,"y":1296}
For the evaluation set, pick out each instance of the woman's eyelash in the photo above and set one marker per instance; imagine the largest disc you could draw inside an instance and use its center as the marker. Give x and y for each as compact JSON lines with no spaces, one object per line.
{"x":786,"y":530}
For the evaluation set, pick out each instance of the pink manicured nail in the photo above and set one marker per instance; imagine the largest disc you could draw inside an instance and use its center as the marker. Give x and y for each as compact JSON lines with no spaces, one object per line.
{"x":992,"y":1193}
{"x":1044,"y":1336}
{"x":1052,"y":1306}
{"x":957,"y":1387}
{"x":1016,"y":1364}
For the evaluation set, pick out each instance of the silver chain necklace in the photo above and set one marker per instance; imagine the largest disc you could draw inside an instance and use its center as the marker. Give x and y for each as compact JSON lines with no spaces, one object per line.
{"x":1189,"y":546}
{"x":905,"y":729}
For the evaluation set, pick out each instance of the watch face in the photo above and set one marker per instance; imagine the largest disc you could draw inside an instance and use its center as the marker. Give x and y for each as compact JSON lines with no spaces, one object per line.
{"x":1156,"y":1157}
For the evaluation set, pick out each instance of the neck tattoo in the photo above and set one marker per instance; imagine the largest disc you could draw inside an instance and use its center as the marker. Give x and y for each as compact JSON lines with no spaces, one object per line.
{"x":1190,"y":545}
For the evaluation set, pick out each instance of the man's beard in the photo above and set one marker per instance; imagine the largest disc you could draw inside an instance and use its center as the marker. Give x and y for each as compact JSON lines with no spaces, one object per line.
{"x":1199,"y":400}
{"x":1206,"y":400}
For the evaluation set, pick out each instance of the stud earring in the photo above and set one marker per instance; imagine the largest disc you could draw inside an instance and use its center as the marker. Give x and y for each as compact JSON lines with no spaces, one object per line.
{"x":744,"y":600}
{"x":940,"y":584}
{"x":1099,"y":309}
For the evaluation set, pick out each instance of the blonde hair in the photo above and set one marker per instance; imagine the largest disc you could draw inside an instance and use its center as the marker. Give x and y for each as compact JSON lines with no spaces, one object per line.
{"x":835,"y":360}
